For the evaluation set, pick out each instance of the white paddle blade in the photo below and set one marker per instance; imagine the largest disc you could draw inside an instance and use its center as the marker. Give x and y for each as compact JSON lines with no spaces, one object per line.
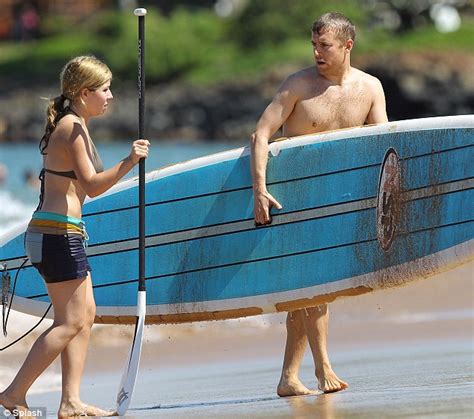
{"x":130,"y":373}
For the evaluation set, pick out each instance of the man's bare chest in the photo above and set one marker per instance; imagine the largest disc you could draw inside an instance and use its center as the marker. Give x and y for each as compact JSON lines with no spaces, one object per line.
{"x":329,"y":110}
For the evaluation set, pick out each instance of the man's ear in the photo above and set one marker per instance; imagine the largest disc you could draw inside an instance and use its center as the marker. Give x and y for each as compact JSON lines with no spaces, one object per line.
{"x":348,"y":45}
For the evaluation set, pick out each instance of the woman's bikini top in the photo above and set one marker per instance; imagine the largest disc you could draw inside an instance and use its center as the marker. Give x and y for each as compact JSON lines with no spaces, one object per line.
{"x":96,"y":162}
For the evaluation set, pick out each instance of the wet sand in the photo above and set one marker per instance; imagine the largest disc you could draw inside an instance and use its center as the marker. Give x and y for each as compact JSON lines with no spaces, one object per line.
{"x":406,"y":352}
{"x":410,"y":379}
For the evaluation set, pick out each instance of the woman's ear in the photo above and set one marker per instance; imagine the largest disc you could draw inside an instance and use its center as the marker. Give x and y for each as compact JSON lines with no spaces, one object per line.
{"x":84,"y":93}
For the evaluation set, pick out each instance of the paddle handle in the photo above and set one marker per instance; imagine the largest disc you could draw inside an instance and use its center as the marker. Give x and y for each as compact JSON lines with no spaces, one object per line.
{"x":141,"y":134}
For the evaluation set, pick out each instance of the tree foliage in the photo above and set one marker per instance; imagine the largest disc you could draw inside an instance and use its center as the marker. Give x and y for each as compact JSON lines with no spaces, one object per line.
{"x":266,"y":23}
{"x":196,"y":45}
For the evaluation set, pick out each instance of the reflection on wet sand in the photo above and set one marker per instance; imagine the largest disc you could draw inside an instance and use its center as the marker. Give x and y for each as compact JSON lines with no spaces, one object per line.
{"x":319,"y":406}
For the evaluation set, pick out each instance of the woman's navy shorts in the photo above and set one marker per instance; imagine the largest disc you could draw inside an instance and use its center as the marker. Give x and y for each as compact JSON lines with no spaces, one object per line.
{"x":58,"y":257}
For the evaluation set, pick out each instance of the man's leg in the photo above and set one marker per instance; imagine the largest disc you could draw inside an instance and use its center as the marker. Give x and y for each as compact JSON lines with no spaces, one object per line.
{"x":316,"y":324}
{"x":290,"y":384}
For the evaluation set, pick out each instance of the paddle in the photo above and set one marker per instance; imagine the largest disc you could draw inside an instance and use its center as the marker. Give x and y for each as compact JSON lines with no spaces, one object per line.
{"x":130,"y":373}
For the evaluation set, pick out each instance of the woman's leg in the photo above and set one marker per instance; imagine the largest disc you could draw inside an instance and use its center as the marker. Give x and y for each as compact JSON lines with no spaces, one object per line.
{"x":72,"y":364}
{"x":74,"y":355}
{"x":69,"y":302}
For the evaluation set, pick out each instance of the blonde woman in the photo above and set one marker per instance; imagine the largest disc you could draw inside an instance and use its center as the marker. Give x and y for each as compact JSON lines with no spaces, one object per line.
{"x":55,"y":236}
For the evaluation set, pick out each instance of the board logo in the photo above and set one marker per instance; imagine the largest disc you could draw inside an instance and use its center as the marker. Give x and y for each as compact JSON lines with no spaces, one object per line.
{"x":389,"y":199}
{"x":122,"y":396}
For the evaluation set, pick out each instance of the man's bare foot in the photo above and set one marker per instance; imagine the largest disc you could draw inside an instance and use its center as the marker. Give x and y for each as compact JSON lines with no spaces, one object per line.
{"x":81,"y":409}
{"x":329,"y":382}
{"x":294,"y":387}
{"x":12,"y":404}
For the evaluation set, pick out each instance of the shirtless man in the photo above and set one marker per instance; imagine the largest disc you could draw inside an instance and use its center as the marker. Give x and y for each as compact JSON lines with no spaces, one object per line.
{"x":328,"y":96}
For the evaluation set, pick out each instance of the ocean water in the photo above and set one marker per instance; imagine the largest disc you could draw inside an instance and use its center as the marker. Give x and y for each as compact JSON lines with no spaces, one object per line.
{"x":406,"y":353}
{"x":18,"y":199}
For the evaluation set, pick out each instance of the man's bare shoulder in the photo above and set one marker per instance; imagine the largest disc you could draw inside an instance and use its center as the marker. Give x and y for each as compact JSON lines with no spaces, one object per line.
{"x":371,"y":82}
{"x":299,"y":81}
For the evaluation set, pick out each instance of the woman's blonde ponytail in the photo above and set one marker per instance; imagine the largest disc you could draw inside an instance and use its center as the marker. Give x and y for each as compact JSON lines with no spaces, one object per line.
{"x":56,"y":110}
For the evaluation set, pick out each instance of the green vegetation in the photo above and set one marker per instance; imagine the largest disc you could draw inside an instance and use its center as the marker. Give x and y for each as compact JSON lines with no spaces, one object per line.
{"x":201,"y":48}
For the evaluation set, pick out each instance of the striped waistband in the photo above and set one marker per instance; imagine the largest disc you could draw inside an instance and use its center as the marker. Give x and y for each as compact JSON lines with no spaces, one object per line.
{"x":57,"y":224}
{"x":52,"y":216}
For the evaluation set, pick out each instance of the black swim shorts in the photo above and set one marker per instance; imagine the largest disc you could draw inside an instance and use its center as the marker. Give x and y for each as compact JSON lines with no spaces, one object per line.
{"x":57,"y":257}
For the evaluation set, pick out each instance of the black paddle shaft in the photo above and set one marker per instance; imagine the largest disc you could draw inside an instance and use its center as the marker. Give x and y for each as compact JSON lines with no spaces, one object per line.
{"x":141,"y":167}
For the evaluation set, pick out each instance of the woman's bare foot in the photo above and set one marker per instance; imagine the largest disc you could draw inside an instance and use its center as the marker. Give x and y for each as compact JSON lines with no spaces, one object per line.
{"x":12,"y":404}
{"x":71,"y":410}
{"x":96,"y":411}
{"x":329,"y":382}
{"x":293,"y":387}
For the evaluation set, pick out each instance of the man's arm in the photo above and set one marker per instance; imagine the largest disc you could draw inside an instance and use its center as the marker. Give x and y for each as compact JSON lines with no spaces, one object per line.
{"x":271,"y":120}
{"x":378,"y":111}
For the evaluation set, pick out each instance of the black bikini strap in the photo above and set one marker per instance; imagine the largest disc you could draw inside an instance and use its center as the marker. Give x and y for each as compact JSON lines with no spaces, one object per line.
{"x":72,"y":111}
{"x":41,"y":197}
{"x":70,"y":174}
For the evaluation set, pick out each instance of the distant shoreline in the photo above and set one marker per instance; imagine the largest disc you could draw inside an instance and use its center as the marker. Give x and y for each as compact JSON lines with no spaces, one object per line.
{"x":416,"y":85}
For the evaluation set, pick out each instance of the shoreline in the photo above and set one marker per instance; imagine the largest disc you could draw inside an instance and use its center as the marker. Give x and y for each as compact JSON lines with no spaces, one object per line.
{"x":416,"y":84}
{"x":436,"y":308}
{"x":243,"y":384}
{"x":377,"y":342}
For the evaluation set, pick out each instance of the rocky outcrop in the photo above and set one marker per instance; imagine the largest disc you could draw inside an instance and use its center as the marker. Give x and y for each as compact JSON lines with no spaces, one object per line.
{"x":419,"y":85}
{"x":416,"y":85}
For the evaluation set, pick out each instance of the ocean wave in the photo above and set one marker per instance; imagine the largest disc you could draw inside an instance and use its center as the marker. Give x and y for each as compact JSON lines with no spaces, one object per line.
{"x":433,"y":316}
{"x":13,"y":212}
{"x":117,"y":335}
{"x":50,"y":380}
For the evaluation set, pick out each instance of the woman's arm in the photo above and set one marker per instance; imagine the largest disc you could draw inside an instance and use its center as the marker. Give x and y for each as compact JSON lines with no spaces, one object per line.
{"x":94,"y":183}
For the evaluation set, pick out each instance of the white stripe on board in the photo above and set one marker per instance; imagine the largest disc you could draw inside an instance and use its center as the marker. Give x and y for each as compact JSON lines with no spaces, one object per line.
{"x":411,"y":125}
{"x":239,"y":226}
{"x":234,"y":227}
{"x":441,"y":122}
{"x":386,"y":278}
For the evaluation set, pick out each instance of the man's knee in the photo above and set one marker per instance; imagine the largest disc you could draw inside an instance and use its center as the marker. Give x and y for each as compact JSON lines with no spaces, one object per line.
{"x":294,"y":319}
{"x":317,"y":310}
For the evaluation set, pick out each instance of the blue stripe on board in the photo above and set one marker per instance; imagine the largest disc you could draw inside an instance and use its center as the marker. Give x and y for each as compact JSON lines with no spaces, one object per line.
{"x":13,"y":249}
{"x":277,"y":275}
{"x":307,"y":161}
{"x":438,"y":168}
{"x":315,"y":234}
{"x":233,"y":206}
{"x":324,"y":157}
{"x":238,"y":205}
{"x":283,"y":239}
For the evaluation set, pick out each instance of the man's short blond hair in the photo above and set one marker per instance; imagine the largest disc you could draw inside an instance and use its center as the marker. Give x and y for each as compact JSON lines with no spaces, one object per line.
{"x":341,"y":25}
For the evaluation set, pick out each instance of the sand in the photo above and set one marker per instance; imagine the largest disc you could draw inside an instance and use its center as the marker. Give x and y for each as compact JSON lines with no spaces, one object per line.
{"x":406,"y":352}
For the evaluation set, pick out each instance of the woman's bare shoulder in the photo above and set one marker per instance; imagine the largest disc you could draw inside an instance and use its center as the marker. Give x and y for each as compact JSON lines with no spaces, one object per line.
{"x":68,"y":129}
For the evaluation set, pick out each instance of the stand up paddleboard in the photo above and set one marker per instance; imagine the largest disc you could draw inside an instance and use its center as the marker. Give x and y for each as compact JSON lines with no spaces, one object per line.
{"x":363,"y":209}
